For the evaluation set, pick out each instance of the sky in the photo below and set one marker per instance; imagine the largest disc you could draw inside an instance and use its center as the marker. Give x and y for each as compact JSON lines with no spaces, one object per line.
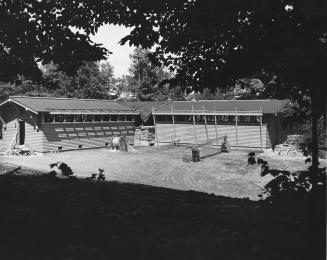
{"x":109,"y":36}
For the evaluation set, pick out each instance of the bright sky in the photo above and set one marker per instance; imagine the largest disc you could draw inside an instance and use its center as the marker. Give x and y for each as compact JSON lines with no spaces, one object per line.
{"x":109,"y":36}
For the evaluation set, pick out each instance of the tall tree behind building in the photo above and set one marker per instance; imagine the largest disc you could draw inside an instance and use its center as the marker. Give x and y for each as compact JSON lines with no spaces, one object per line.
{"x":145,"y":77}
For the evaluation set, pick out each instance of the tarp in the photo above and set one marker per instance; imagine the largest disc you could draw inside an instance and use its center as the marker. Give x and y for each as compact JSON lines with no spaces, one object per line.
{"x":145,"y":108}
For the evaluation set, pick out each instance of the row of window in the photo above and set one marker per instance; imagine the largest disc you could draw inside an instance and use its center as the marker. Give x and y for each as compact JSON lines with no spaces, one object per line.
{"x":88,"y":118}
{"x":210,"y":119}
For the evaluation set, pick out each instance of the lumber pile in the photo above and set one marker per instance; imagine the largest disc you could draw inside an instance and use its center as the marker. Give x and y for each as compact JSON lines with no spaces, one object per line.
{"x":119,"y":143}
{"x":291,"y":147}
{"x":144,"y":135}
{"x":295,"y":140}
{"x":19,"y":150}
{"x":288,"y":149}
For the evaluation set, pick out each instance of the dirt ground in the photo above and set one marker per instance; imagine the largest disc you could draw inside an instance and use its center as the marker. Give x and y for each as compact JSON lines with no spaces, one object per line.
{"x":224,"y":174}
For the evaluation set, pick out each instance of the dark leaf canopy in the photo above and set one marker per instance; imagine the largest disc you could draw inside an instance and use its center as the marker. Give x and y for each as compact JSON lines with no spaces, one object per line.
{"x":57,"y":31}
{"x":212,"y":43}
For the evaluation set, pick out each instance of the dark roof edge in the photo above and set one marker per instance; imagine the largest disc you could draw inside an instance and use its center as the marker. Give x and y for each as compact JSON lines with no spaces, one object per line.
{"x":63,"y":98}
{"x":20,"y":104}
{"x":168,"y":101}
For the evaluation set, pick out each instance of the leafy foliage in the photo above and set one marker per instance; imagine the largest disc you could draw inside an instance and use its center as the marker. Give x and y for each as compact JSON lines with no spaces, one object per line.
{"x":91,"y":81}
{"x":289,"y":186}
{"x":145,"y":76}
{"x":64,"y":168}
{"x":34,"y":31}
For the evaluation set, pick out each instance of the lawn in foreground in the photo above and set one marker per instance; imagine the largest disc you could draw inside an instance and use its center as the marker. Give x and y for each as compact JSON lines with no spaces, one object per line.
{"x":226,"y":174}
{"x":45,"y":217}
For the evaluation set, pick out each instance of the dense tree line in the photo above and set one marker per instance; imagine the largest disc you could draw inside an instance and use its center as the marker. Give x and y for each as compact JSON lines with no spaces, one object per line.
{"x":210,"y":44}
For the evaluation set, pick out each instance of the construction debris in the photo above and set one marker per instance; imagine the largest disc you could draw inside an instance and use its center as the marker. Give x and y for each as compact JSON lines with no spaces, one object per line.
{"x":291,"y":147}
{"x":19,"y":150}
{"x":288,"y":149}
{"x":225,"y":146}
{"x":119,"y":143}
{"x":144,"y":136}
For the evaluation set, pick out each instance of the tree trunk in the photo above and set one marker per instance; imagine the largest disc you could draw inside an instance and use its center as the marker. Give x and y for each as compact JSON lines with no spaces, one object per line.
{"x":314,"y":131}
{"x":315,"y":148}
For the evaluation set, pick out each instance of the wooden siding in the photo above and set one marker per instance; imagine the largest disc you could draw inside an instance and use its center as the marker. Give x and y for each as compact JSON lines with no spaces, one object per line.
{"x":49,"y":136}
{"x":12,"y":114}
{"x":8,"y":135}
{"x":248,"y":135}
{"x":89,"y":134}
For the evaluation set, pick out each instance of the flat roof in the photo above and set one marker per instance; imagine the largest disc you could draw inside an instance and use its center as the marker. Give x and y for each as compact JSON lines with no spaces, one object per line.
{"x":230,"y":107}
{"x":69,"y":105}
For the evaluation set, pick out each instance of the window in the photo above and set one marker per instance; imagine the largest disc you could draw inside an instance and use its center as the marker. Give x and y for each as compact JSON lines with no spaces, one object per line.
{"x":89,"y":118}
{"x":245,"y":119}
{"x":231,"y":119}
{"x":59,"y":118}
{"x":114,"y":117}
{"x":129,"y":118}
{"x":68,"y":118}
{"x":211,"y":119}
{"x":160,"y":118}
{"x":97,"y":118}
{"x":106,"y":118}
{"x":255,"y":119}
{"x":199,"y":118}
{"x":49,"y":118}
{"x":79,"y":118}
{"x":223,"y":119}
{"x":180,"y":118}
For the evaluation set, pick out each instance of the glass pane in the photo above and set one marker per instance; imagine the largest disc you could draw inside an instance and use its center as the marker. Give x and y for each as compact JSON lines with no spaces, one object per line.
{"x":113,"y":117}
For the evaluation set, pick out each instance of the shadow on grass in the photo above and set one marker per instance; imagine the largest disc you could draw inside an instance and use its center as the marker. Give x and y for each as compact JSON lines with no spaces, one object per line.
{"x":44,"y":217}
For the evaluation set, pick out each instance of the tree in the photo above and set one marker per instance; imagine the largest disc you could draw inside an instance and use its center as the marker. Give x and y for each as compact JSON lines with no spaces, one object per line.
{"x":145,"y":76}
{"x":92,"y":80}
{"x":34,"y":31}
{"x":214,"y":43}
{"x":106,"y":74}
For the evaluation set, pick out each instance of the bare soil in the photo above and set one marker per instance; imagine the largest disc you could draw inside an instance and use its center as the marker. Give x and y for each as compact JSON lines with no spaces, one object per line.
{"x":224,"y":174}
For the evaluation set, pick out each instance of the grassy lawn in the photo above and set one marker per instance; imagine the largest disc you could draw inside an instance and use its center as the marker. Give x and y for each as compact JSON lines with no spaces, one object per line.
{"x":224,"y":174}
{"x":44,"y":217}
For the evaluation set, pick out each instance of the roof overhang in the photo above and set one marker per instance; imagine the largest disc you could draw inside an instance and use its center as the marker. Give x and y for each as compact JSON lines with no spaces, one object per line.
{"x":90,"y":112}
{"x":209,"y":113}
{"x":17,"y":103}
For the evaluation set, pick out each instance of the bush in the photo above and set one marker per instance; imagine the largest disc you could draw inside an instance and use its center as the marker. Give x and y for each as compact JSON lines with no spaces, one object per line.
{"x":288,"y":185}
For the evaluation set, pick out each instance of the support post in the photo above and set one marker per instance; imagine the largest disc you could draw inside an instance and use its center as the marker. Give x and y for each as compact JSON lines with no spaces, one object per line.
{"x":155,"y":128}
{"x":261,"y":145}
{"x":196,"y":140}
{"x":236,"y":133}
{"x":205,"y":124}
{"x":216,"y":130}
{"x":172,"y":114}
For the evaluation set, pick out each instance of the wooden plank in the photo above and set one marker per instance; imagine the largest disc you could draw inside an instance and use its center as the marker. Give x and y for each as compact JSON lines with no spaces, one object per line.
{"x":261,"y":144}
{"x":196,"y":140}
{"x":155,"y":128}
{"x":205,"y":125}
{"x":216,"y":130}
{"x":207,"y":142}
{"x":236,"y":136}
{"x":171,"y":106}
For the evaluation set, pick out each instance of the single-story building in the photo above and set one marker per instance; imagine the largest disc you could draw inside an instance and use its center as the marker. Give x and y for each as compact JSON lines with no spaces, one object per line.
{"x":247,"y":123}
{"x":47,"y":124}
{"x":145,"y":109}
{"x":50,"y":124}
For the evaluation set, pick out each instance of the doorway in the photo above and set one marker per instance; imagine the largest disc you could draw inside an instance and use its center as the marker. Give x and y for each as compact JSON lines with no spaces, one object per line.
{"x":21,"y":133}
